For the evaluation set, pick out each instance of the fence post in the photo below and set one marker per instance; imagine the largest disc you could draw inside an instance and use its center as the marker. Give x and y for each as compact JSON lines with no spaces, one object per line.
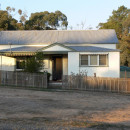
{"x":114,"y":85}
{"x":118,"y":85}
{"x":33,"y":79}
{"x":16,"y":79}
{"x":0,"y":77}
{"x":22,"y":78}
{"x":42,"y":85}
{"x":126,"y":85}
{"x":45,"y":82}
{"x":106,"y":85}
{"x":110,"y":85}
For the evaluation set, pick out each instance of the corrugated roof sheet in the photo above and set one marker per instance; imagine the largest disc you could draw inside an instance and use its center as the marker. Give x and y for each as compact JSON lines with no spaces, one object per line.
{"x":76,"y":48}
{"x":92,"y":49}
{"x":23,"y":49}
{"x":102,"y":36}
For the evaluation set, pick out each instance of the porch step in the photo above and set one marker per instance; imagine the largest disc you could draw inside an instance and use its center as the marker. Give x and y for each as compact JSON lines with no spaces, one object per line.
{"x":55,"y":85}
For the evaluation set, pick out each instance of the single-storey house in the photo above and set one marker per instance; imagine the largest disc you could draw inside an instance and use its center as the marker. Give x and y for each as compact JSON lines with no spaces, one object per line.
{"x":65,"y":51}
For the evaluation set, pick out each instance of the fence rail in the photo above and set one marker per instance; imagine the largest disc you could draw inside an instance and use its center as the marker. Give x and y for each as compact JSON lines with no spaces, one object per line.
{"x":15,"y":78}
{"x":96,"y":83}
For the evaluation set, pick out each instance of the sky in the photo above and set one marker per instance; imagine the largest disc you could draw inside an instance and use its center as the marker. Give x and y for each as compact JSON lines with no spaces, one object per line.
{"x":88,"y":12}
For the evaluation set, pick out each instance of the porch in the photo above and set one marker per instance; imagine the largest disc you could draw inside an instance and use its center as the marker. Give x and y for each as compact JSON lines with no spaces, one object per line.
{"x":56,"y":65}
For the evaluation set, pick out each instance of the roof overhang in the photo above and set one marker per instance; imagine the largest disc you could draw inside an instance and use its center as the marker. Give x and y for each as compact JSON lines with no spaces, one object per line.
{"x":17,"y":53}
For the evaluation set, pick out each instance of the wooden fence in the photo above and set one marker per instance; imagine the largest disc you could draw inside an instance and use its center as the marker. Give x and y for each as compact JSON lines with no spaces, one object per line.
{"x":14,"y":78}
{"x":125,"y":74}
{"x":96,"y":83}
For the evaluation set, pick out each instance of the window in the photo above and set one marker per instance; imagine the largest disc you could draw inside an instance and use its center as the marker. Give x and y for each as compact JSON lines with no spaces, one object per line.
{"x":103,"y":60}
{"x":84,"y":60}
{"x":93,"y":60}
{"x":20,"y":64}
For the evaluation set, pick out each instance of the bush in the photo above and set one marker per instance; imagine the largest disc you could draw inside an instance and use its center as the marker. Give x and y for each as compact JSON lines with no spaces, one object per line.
{"x":35,"y":63}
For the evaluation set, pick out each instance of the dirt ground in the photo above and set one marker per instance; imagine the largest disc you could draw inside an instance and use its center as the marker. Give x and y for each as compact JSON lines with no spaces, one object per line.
{"x":38,"y":110}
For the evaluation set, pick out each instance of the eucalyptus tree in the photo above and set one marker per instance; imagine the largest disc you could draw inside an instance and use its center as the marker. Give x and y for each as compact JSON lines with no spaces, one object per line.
{"x":47,"y":20}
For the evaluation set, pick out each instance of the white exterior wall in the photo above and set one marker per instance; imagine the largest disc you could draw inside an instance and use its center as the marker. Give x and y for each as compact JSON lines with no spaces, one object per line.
{"x":113,"y":69}
{"x":73,"y":62}
{"x":7,"y":63}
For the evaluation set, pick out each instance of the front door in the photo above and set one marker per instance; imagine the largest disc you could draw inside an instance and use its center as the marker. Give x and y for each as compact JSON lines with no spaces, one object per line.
{"x":57,"y":68}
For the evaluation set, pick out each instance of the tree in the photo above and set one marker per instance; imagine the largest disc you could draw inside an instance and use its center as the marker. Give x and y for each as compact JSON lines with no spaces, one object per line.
{"x":10,"y":10}
{"x":116,"y":21}
{"x":125,"y":50}
{"x":6,"y":21}
{"x":23,"y":16}
{"x":46,"y":20}
{"x":120,"y":21}
{"x":37,"y":21}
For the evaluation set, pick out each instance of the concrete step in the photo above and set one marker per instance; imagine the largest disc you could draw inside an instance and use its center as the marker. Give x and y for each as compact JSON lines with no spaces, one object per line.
{"x":55,"y":85}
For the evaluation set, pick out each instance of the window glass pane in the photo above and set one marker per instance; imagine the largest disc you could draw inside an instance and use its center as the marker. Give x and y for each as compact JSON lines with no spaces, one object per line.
{"x":84,"y":59}
{"x":93,"y":60}
{"x":84,"y":62}
{"x":102,"y":59}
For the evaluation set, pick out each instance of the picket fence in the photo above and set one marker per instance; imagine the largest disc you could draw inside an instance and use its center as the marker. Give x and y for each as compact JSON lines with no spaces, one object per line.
{"x":96,"y":83}
{"x":14,"y":78}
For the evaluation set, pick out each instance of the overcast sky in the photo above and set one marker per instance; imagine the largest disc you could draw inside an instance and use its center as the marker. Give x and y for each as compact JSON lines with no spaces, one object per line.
{"x":90,"y":12}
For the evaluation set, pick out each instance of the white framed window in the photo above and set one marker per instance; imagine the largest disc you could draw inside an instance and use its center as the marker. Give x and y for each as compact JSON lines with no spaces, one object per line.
{"x":103,"y":60}
{"x":94,"y":60}
{"x":84,"y":60}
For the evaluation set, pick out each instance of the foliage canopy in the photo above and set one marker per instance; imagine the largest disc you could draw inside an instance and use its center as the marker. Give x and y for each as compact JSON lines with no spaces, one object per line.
{"x":120,"y":21}
{"x":37,"y":21}
{"x":46,"y":20}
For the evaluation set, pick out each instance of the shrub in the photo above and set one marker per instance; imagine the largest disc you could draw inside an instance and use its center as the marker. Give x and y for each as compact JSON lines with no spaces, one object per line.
{"x":35,"y":63}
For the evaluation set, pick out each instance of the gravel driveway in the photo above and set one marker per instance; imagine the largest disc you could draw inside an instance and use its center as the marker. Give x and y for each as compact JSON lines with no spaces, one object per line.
{"x":38,"y":110}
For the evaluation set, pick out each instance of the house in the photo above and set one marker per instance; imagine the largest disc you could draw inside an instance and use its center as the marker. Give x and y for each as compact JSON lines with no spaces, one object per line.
{"x":65,"y":51}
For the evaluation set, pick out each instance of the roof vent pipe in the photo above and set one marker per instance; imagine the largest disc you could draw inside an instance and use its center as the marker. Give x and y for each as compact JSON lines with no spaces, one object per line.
{"x":10,"y":46}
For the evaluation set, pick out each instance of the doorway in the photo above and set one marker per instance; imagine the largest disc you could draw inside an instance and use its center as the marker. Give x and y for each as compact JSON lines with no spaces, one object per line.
{"x":57,"y":68}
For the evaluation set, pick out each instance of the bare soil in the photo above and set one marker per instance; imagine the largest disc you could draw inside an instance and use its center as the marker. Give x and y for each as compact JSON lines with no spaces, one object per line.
{"x":39,"y":110}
